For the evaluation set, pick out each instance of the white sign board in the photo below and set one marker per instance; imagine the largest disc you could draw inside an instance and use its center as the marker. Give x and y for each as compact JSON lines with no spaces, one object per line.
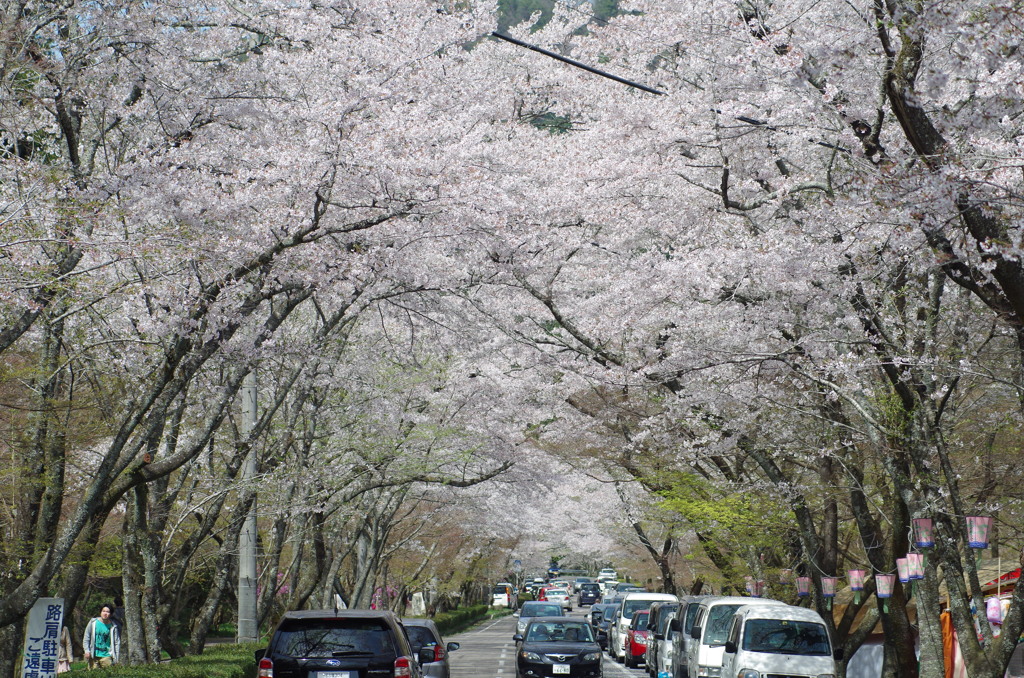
{"x":42,"y":639}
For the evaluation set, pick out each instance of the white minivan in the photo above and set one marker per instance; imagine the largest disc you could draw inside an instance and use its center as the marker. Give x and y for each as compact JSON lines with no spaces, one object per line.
{"x":710,"y":631}
{"x":766,"y":640}
{"x":631,"y":602}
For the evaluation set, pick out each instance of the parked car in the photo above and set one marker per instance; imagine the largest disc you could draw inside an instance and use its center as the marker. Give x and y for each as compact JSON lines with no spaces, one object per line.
{"x":558,"y":646}
{"x":609,"y":613}
{"x":318,"y":643}
{"x":503,"y":595}
{"x":771,"y":640}
{"x":590,"y":593}
{"x":560,"y":596}
{"x":681,"y":627}
{"x":631,"y":602}
{"x":636,"y":639}
{"x":536,"y":608}
{"x":710,"y":631}
{"x":657,"y":643}
{"x":430,"y":649}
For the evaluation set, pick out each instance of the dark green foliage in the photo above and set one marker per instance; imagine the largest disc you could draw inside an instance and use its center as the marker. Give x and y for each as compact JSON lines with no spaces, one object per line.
{"x":460,"y":619}
{"x":220,"y":661}
{"x":515,"y":12}
{"x":556,"y":124}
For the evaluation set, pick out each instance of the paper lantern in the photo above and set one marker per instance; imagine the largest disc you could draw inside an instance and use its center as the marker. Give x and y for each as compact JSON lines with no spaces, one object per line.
{"x":856,"y":579}
{"x":994,"y":610}
{"x":915,"y":565}
{"x":924,"y":532}
{"x":828,"y":587}
{"x":803,"y":586}
{"x":903,"y":569}
{"x":756,"y":588}
{"x":977,"y":531}
{"x":884,"y":584}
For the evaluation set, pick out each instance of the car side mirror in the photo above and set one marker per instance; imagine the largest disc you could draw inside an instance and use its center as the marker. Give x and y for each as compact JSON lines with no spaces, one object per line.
{"x":426,"y":655}
{"x":674,"y":625}
{"x":260,"y":654}
{"x":839,"y":654}
{"x":518,"y":637}
{"x":659,"y":636}
{"x":452,"y":647}
{"x":695,"y":632}
{"x":730,"y":647}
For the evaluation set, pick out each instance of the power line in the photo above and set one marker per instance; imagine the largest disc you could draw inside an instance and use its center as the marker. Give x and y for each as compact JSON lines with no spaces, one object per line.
{"x":577,"y":64}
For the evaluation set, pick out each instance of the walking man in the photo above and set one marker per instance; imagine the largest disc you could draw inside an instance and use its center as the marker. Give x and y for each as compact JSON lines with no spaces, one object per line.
{"x":102,"y":640}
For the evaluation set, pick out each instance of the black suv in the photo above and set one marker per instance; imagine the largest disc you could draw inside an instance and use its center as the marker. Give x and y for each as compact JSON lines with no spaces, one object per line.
{"x":589,"y":594}
{"x":338,"y":644}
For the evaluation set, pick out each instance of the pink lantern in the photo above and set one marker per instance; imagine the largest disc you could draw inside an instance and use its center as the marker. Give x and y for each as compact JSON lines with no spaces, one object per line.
{"x":756,"y":588}
{"x":803,"y":586}
{"x":828,"y":587}
{"x":915,"y":565}
{"x":856,"y":579}
{"x":884,"y":584}
{"x":977,"y":531}
{"x":903,"y":569}
{"x":924,"y":532}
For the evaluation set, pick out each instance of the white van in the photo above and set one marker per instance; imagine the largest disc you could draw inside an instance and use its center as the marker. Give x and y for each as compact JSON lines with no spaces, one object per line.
{"x":711,"y":630}
{"x":503,"y":595}
{"x":790,"y":641}
{"x":631,"y":602}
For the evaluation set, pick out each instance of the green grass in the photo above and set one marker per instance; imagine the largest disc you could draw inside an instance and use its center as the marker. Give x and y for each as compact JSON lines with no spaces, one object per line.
{"x":219,"y":661}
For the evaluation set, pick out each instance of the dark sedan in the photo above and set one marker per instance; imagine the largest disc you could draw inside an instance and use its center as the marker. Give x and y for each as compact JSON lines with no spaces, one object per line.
{"x":558,"y":646}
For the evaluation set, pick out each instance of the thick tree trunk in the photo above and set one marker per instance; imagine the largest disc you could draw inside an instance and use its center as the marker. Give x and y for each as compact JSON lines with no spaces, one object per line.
{"x":222,"y":578}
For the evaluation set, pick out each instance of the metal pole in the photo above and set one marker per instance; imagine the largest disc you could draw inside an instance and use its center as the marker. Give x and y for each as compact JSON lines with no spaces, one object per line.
{"x":247,"y":631}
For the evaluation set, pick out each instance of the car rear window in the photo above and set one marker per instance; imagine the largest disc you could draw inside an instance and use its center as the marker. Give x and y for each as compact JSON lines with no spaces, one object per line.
{"x":334,"y":638}
{"x":420,"y":636}
{"x":540,"y":611}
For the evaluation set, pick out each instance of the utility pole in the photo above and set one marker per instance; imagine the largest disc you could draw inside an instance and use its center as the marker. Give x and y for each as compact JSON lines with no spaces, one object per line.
{"x":247,"y":631}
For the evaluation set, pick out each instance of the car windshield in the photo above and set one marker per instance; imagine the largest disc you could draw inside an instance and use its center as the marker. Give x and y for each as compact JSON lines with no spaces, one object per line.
{"x":333,"y":637}
{"x":691,"y":614}
{"x":631,"y":606}
{"x":540,"y":611}
{"x":781,"y":636}
{"x":568,"y":632}
{"x":717,"y":627}
{"x":664,"y":619}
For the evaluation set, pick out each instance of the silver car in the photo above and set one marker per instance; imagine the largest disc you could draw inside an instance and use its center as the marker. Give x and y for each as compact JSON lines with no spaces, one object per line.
{"x":429,"y":648}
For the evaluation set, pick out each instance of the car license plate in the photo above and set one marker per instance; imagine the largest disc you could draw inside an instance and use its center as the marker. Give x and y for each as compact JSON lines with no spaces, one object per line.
{"x":560,"y":669}
{"x":335,"y":674}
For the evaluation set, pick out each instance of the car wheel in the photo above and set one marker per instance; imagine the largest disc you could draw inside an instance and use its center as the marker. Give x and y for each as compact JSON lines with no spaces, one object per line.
{"x":627,"y":661}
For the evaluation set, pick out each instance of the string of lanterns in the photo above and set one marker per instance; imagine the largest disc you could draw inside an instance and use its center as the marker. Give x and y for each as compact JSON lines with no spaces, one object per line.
{"x":909,"y":569}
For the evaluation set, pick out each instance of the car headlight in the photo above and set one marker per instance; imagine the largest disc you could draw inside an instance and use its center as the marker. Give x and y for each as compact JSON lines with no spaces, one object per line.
{"x":592,"y":657}
{"x":709,"y":671}
{"x":748,"y":673}
{"x":530,"y":656}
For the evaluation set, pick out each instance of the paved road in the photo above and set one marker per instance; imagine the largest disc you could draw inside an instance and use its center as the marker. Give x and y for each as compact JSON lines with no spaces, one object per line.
{"x":488,"y":652}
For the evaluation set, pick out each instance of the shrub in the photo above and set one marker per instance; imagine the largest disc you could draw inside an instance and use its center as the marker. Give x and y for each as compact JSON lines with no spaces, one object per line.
{"x":460,"y":618}
{"x":219,"y":661}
